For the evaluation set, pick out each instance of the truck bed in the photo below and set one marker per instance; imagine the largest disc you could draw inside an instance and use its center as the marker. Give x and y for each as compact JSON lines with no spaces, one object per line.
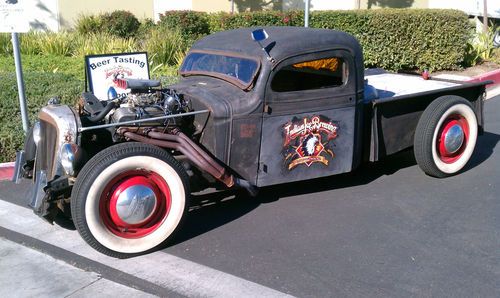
{"x":391,"y":84}
{"x":394,"y":103}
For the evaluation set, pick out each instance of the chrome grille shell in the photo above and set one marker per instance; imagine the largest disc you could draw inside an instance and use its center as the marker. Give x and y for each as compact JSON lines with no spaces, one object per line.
{"x":58,"y":124}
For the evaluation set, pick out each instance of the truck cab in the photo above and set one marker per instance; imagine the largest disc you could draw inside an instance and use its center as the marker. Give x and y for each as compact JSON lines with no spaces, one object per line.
{"x":297,"y":119}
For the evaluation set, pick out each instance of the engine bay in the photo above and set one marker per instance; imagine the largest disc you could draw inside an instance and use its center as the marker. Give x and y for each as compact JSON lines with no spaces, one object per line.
{"x":146,"y":100}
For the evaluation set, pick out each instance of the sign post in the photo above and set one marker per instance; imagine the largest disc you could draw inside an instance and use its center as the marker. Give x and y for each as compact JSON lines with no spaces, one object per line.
{"x":306,"y":14}
{"x":20,"y":83}
{"x":14,"y":20}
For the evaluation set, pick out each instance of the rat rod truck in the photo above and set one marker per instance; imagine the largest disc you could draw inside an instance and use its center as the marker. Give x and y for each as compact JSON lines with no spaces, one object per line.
{"x":253,"y":108}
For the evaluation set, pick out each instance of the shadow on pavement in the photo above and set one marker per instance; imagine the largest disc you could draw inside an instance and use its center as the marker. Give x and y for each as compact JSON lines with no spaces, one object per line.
{"x":210,"y":211}
{"x":485,"y":145}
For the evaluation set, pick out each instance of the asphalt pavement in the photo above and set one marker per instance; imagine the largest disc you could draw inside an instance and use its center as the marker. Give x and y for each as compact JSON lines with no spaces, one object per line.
{"x":386,"y":229}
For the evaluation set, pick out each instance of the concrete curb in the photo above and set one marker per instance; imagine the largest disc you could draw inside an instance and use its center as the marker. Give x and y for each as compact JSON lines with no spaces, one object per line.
{"x":489,"y":76}
{"x":6,"y":170}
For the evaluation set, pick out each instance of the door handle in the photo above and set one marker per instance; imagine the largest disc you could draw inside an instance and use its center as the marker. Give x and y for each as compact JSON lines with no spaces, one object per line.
{"x":268,"y":109}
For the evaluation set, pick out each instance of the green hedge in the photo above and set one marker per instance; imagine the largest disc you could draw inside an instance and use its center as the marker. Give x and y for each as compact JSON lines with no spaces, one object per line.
{"x":191,"y":24}
{"x":226,"y":21}
{"x":393,"y":39}
{"x":405,"y":38}
{"x":40,"y":86}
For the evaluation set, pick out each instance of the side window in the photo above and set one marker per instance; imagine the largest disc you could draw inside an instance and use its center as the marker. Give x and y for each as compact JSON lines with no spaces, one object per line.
{"x":315,"y":74}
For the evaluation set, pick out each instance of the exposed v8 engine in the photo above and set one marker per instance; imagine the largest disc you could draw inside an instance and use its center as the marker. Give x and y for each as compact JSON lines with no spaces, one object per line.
{"x":141,"y":103}
{"x":150,"y":105}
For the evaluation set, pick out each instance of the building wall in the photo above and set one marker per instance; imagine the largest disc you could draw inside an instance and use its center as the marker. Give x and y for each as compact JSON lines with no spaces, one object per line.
{"x":394,"y":4}
{"x":69,"y":10}
{"x":43,"y":14}
{"x":320,"y":4}
{"x":160,"y":6}
{"x":472,"y":7}
{"x":212,"y":5}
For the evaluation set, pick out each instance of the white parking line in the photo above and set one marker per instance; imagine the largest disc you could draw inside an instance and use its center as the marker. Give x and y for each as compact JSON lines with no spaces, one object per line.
{"x":165,"y":270}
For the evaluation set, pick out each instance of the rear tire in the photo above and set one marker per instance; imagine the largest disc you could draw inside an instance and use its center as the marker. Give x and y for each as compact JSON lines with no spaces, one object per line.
{"x":445,"y":136}
{"x":129,"y":199}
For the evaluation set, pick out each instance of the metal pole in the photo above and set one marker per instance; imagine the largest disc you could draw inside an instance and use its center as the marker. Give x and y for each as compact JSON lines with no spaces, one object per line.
{"x":306,"y":14}
{"x":485,"y":16}
{"x":232,"y":6}
{"x":20,"y":82}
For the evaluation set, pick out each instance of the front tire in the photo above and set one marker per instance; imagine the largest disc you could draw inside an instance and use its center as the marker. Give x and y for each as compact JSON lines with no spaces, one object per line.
{"x":129,"y":199}
{"x":445,"y":136}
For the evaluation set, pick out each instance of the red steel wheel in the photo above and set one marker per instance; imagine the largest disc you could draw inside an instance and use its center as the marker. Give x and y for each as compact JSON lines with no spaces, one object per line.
{"x":129,"y":198}
{"x":452,"y":138}
{"x":135,"y":204}
{"x":445,"y":136}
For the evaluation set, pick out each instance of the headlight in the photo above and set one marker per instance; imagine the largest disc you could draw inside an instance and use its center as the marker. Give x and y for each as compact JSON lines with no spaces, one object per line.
{"x":36,"y":133}
{"x":70,"y":156}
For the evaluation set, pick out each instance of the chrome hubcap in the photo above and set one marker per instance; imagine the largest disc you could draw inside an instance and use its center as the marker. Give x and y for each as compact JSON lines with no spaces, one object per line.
{"x":136,"y":204}
{"x":454,"y":139}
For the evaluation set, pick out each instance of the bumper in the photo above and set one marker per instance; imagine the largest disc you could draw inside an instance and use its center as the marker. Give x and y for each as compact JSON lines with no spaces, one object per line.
{"x":38,"y":195}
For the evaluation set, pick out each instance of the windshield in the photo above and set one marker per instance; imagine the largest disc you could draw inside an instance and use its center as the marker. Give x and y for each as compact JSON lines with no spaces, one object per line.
{"x":240,"y":70}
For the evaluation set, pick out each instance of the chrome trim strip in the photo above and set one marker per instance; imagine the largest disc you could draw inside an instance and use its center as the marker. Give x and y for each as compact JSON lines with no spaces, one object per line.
{"x":82,"y":129}
{"x":18,"y":167}
{"x":38,"y":193}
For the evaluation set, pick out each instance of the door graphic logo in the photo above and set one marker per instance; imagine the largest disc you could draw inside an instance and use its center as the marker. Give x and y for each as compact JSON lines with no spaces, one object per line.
{"x":308,"y":141}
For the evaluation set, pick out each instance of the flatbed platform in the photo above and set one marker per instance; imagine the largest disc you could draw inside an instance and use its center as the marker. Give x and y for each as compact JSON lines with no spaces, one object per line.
{"x":392,"y":84}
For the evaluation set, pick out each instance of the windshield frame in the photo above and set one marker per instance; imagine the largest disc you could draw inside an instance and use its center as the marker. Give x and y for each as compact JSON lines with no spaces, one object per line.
{"x":230,"y":79}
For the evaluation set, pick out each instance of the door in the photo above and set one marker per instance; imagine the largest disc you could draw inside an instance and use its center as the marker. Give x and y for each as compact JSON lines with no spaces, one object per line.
{"x":309,"y":120}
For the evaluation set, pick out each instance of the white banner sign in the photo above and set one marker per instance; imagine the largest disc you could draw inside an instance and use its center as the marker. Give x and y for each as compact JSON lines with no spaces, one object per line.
{"x":103,"y":72}
{"x":13,"y":16}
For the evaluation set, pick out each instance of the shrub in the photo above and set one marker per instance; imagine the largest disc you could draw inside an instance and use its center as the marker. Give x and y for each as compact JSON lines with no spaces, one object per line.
{"x":495,"y":56}
{"x":145,"y":28}
{"x":164,"y":45}
{"x":102,"y":43}
{"x":86,"y":24}
{"x":484,"y":43}
{"x":29,"y":43}
{"x":191,"y":24}
{"x":408,"y":39}
{"x":52,"y":43}
{"x":120,"y":23}
{"x":226,"y":21}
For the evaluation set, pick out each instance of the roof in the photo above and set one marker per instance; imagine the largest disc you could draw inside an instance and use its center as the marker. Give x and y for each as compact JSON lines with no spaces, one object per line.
{"x":284,"y":41}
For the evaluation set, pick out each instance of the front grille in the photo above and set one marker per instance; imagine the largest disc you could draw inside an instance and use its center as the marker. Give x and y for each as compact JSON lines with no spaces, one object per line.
{"x":46,"y":150}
